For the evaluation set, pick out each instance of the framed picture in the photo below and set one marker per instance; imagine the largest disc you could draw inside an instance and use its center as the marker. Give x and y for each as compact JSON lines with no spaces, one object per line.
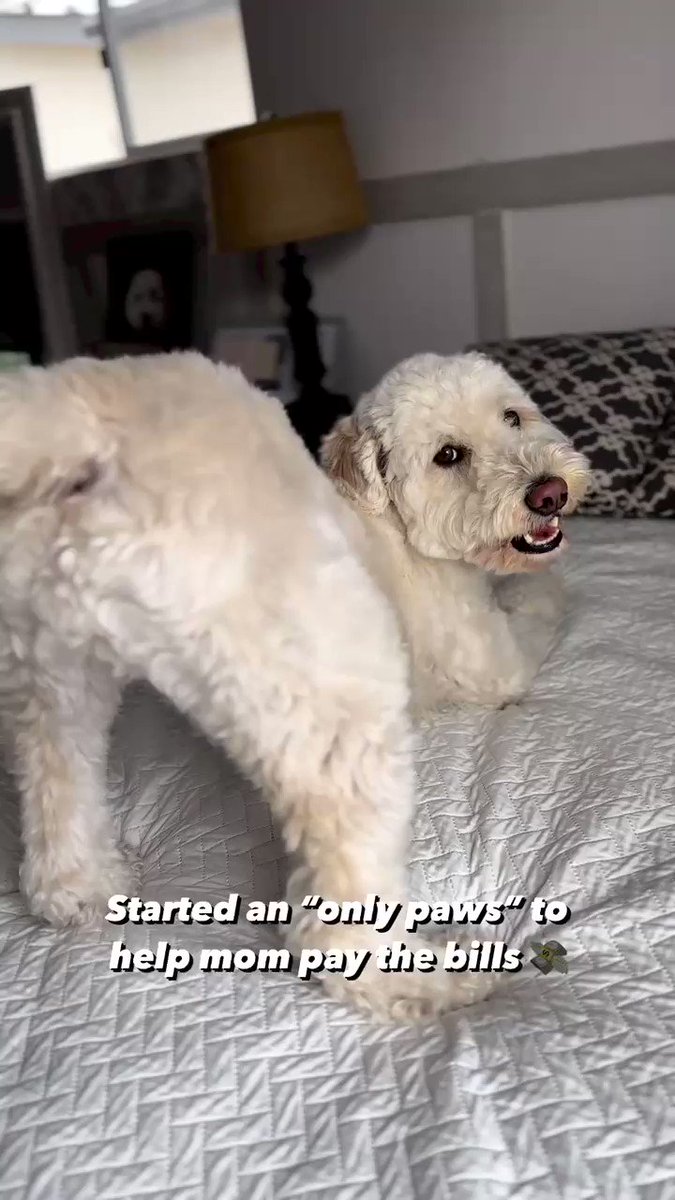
{"x":150,"y":282}
{"x":263,"y":355}
{"x":138,"y":284}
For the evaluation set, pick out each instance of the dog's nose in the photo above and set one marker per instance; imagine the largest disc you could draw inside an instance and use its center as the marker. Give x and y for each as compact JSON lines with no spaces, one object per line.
{"x":547,"y":497}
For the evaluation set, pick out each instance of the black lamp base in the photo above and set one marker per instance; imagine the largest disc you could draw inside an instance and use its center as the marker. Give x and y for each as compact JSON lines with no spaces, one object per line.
{"x":315,"y":410}
{"x":314,"y":414}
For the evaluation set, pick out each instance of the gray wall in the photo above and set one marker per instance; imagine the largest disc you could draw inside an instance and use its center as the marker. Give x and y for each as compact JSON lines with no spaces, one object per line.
{"x":441,"y":83}
{"x":428,"y":85}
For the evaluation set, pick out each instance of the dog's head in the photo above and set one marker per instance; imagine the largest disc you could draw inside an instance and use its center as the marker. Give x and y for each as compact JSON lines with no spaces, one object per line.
{"x":467,"y":460}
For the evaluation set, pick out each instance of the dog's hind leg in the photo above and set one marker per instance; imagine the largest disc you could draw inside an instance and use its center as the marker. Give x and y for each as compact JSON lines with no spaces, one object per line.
{"x":309,"y":694}
{"x":346,"y":805}
{"x":58,"y":721}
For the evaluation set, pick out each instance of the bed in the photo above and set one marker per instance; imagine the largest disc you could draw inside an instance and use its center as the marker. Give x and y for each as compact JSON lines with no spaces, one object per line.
{"x":254,"y":1086}
{"x":225,"y":1086}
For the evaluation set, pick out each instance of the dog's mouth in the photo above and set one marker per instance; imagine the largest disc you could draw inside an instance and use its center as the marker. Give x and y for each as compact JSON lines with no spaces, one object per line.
{"x":542,"y":540}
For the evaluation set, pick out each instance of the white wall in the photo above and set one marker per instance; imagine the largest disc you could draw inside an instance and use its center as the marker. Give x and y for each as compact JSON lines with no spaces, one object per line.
{"x":400,"y":288}
{"x":187,"y":77}
{"x":74,"y":103}
{"x":592,"y":266}
{"x":440,"y":83}
{"x":180,"y":80}
{"x":433,"y":84}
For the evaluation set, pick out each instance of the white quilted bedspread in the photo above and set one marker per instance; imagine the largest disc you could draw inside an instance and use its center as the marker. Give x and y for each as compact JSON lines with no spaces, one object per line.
{"x":255,"y":1087}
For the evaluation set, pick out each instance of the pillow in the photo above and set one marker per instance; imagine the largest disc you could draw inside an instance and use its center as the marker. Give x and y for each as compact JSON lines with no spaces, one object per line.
{"x":613,"y":394}
{"x":655,"y":496}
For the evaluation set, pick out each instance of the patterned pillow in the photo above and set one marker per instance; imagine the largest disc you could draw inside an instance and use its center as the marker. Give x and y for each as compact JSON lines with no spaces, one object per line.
{"x":655,"y":496}
{"x":613,"y":394}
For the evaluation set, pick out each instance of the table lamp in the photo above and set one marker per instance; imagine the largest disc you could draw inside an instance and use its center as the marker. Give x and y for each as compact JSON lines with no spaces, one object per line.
{"x":276,"y":183}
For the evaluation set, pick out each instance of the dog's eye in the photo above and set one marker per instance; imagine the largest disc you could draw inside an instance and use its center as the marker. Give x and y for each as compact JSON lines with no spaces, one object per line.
{"x":449,"y":456}
{"x":511,"y":417}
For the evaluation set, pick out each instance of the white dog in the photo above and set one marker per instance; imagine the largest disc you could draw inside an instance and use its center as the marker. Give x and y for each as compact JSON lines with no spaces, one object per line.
{"x":160,"y":519}
{"x":456,"y":477}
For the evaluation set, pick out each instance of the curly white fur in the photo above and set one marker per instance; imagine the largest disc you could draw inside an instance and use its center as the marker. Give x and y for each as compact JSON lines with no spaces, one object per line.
{"x":435,"y":538}
{"x":160,"y":519}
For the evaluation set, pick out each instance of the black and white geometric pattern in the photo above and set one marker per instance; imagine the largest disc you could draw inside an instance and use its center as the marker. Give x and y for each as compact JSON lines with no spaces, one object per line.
{"x":655,"y":495}
{"x":613,"y":394}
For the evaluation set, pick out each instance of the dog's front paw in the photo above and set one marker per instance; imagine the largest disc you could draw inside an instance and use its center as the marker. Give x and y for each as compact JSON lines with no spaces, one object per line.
{"x":539,"y":596}
{"x":411,"y":998}
{"x":77,"y":894}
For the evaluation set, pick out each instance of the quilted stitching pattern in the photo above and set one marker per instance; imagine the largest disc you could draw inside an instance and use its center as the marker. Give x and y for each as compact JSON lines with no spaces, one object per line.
{"x":613,"y":394}
{"x":257,"y":1088}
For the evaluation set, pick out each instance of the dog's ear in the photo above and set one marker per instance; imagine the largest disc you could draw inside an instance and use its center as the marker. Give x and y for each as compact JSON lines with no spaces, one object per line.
{"x":355,"y":463}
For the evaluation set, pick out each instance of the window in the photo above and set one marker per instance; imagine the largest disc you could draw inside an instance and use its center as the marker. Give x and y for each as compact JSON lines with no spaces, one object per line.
{"x":114,"y":77}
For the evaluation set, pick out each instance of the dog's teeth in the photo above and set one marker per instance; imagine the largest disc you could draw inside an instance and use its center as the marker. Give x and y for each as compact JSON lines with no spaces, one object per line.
{"x":555,"y":521}
{"x":528,"y":539}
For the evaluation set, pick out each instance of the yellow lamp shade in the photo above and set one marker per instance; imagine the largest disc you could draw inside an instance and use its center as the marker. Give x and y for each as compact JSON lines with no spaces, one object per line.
{"x":283,"y":180}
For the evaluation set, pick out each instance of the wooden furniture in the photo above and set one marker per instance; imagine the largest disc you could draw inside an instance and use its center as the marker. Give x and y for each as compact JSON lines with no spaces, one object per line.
{"x":35,"y":317}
